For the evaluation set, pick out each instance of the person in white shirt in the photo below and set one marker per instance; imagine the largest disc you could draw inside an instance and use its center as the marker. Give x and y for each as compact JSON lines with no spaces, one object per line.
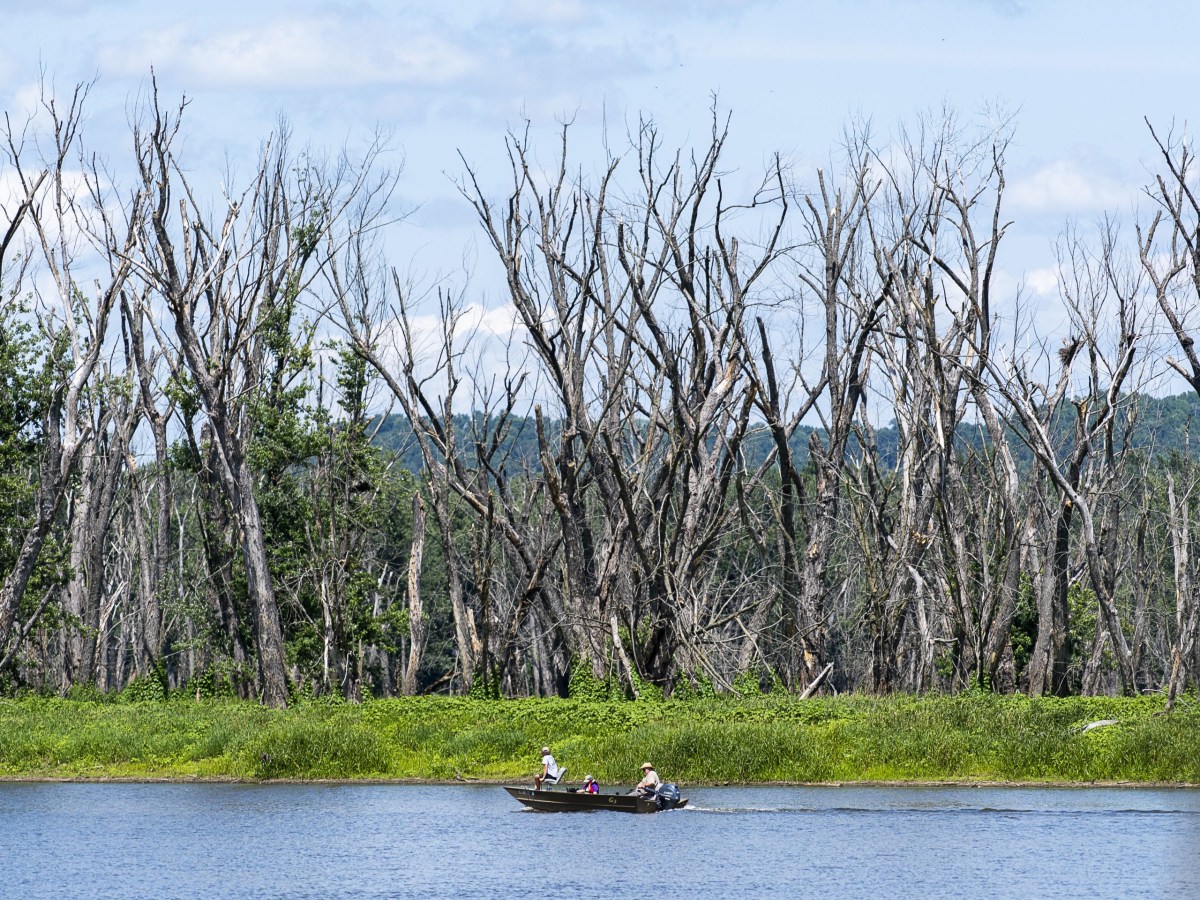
{"x":550,"y":770}
{"x":649,"y":782}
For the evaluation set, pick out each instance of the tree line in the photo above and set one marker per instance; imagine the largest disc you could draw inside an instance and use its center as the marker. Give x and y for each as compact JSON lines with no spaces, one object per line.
{"x":669,"y":475}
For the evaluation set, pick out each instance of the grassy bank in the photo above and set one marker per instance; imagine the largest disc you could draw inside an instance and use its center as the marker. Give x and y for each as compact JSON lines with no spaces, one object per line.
{"x":977,"y":737}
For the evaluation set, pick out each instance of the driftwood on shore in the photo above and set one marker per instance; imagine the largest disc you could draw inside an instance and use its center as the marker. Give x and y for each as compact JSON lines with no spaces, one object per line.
{"x":816,"y":682}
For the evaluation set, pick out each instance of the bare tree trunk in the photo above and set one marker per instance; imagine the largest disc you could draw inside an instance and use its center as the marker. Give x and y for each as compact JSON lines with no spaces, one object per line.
{"x":418,"y":628}
{"x":246,"y":270}
{"x":1090,"y":685}
{"x":153,"y":537}
{"x":1187,"y":617}
{"x":1172,"y":263}
{"x":75,"y":326}
{"x":1051,"y":653}
{"x":49,"y":495}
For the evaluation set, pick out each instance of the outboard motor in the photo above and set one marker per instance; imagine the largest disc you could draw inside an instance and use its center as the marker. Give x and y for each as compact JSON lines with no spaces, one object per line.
{"x":666,"y":796}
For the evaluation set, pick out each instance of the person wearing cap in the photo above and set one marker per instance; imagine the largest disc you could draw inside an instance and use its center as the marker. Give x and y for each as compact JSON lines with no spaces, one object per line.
{"x":551,"y":771}
{"x":650,"y":780}
{"x":589,"y":785}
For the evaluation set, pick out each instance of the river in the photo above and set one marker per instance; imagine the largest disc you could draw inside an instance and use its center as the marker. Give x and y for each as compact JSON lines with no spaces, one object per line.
{"x":188,"y":840}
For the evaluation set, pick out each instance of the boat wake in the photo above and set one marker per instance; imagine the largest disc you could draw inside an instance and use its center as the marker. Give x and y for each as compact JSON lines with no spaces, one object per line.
{"x":929,"y":810}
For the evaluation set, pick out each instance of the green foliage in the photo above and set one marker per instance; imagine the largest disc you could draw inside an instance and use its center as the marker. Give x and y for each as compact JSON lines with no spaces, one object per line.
{"x":27,"y":382}
{"x":484,"y":688}
{"x":25,"y":387}
{"x":748,"y":684}
{"x":215,"y":683}
{"x":1024,"y":627}
{"x":583,"y":684}
{"x":1083,"y":611}
{"x":147,"y":688}
{"x":647,"y":691}
{"x":302,"y":748}
{"x":943,"y":661}
{"x":696,"y":688}
{"x":89,"y":693}
{"x":968,"y":737}
{"x":181,"y":389}
{"x":334,"y":516}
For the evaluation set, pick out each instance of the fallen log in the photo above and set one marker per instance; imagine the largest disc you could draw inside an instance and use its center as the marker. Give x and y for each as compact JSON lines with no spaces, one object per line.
{"x":816,"y":682}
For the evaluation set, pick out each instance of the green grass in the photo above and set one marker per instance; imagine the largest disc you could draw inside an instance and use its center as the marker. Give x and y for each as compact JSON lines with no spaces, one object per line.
{"x":970,"y":737}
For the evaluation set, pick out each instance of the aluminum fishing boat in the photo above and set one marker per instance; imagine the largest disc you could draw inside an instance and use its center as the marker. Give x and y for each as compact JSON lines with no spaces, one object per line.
{"x":571,"y":800}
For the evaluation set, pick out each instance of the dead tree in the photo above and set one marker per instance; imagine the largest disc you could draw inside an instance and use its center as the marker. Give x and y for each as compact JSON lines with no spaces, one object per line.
{"x":1187,"y":611}
{"x":829,"y":272}
{"x":550,"y":239}
{"x":231,"y":285}
{"x":1169,"y":248}
{"x":380,"y":331}
{"x":937,"y":234}
{"x":691,"y":293}
{"x":1096,"y":288}
{"x":75,"y":321}
{"x":633,"y":318}
{"x":417,"y":624}
{"x":150,"y":508}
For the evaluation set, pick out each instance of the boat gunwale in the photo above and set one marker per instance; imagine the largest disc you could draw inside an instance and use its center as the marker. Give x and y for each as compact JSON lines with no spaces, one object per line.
{"x":566,"y":800}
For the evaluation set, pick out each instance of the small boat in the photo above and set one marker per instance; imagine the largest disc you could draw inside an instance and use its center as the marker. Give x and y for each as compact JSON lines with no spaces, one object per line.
{"x":565,"y":800}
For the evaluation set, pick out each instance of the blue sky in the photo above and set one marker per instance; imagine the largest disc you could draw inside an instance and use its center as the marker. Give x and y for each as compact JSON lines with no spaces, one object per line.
{"x":453,"y":76}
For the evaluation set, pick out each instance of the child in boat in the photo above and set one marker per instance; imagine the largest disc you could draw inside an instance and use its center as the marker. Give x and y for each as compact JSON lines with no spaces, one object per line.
{"x":551,"y":772}
{"x":589,"y":786}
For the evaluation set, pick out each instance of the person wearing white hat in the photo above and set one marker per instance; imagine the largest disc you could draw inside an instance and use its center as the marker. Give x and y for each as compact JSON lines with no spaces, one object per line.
{"x":650,"y":780}
{"x":551,"y":772}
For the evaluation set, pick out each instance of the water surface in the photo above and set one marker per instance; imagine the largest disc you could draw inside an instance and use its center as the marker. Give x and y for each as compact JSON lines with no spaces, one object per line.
{"x":181,"y":840}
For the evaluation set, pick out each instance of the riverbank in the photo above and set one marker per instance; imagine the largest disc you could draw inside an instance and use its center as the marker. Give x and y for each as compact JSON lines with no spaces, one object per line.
{"x":964,"y":739}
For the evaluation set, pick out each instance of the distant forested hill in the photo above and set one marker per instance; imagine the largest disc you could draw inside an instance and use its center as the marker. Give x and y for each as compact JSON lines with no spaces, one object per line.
{"x":1166,"y":423}
{"x":1161,"y":425}
{"x":519,"y":444}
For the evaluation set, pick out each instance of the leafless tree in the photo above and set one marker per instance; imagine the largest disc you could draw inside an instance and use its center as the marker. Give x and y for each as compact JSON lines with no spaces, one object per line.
{"x":1095,"y":288}
{"x":151,"y":509}
{"x":937,"y":235}
{"x":828,"y":278}
{"x":231,"y":285}
{"x":64,"y":204}
{"x":1169,"y":248}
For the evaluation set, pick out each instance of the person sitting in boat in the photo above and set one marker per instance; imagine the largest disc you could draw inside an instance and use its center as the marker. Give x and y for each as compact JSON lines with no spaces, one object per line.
{"x":551,"y":772}
{"x":650,"y":780}
{"x":589,"y":785}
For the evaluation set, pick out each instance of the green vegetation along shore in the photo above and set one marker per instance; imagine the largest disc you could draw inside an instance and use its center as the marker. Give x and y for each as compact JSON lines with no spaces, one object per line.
{"x":974,"y":737}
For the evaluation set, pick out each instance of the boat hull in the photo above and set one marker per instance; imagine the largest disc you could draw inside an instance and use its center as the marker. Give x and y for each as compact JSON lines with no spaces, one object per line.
{"x":550,"y":800}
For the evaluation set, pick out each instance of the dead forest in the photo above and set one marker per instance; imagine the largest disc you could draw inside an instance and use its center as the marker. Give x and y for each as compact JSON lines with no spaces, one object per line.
{"x":194,"y":372}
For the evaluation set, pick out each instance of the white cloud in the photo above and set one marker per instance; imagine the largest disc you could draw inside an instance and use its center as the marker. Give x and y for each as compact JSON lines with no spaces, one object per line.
{"x":15,"y":8}
{"x":547,"y":12}
{"x":1064,"y":187}
{"x":489,"y":342}
{"x":1043,"y":282}
{"x":297,"y":53}
{"x":475,"y":325}
{"x":27,"y":100}
{"x":724,"y":9}
{"x":69,"y":231}
{"x":496,"y":322}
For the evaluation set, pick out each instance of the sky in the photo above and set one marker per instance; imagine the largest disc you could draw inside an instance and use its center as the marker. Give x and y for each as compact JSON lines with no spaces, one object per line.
{"x":452,"y":77}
